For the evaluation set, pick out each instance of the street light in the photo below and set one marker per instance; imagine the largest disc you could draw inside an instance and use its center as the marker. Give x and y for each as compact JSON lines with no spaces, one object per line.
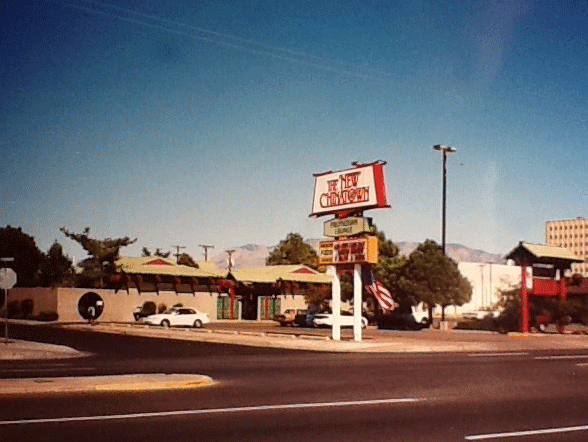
{"x":445,"y":149}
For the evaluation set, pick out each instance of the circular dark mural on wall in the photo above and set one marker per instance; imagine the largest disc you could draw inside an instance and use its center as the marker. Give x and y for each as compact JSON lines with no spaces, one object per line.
{"x":90,"y":306}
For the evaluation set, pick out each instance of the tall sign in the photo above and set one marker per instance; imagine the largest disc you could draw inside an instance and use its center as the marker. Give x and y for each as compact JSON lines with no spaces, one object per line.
{"x":350,"y":191}
{"x":346,"y":194}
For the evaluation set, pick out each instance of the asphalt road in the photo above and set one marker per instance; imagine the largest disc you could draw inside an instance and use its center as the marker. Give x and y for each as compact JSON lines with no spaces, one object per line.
{"x":270,"y":394}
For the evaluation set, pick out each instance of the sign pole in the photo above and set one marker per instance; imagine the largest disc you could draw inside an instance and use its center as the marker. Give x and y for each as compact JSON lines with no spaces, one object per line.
{"x":357,"y":307}
{"x":336,"y":302}
{"x":5,"y":315}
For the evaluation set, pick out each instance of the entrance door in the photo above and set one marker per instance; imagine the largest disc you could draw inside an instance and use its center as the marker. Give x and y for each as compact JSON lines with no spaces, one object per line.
{"x":223,"y":307}
{"x":269,"y":307}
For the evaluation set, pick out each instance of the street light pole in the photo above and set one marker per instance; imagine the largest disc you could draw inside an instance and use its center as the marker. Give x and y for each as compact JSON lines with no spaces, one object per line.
{"x":445,"y":149}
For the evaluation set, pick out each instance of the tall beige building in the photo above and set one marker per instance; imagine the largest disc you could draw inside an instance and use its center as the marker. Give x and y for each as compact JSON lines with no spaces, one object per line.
{"x":572,"y":234}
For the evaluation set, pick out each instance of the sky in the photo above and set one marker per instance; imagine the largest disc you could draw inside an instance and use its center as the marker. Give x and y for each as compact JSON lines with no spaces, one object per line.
{"x":188,"y":123}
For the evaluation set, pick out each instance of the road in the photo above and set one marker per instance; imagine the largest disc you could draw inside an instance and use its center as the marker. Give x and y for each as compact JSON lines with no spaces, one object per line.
{"x":269,"y":394}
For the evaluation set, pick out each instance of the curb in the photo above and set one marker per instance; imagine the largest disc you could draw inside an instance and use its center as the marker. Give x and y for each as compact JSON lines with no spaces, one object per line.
{"x":80,"y":384}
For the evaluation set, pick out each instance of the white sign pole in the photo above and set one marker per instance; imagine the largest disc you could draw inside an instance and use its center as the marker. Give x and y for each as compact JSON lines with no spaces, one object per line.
{"x":335,"y":302}
{"x":357,"y":303}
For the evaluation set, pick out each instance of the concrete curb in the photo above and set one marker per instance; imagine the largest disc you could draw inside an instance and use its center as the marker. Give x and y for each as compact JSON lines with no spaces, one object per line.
{"x":140,"y":382}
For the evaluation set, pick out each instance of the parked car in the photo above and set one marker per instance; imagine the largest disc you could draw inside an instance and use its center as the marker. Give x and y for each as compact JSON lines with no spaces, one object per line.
{"x":480,"y":314}
{"x":326,"y":320}
{"x":401,"y":320}
{"x":300,"y":318}
{"x":289,"y":316}
{"x":178,"y":316}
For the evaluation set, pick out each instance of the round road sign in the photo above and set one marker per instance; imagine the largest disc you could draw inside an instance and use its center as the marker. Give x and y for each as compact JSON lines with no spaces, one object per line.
{"x":7,"y":278}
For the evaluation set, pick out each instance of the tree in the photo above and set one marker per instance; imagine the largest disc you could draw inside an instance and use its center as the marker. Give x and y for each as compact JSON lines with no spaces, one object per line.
{"x":56,"y":269}
{"x":14,"y":243}
{"x":433,"y":278}
{"x":293,"y":250}
{"x":103,"y":255}
{"x":146,"y":252}
{"x":187,"y":260}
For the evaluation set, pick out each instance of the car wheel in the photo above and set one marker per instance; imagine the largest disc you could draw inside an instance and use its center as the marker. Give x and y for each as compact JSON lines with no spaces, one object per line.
{"x":197,"y":323}
{"x":165,"y":323}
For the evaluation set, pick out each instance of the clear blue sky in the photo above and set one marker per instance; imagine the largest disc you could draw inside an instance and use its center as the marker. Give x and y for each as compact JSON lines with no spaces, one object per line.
{"x":202,"y":122}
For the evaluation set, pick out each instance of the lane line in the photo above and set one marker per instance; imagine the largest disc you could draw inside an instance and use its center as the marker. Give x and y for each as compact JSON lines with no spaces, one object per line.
{"x":527,"y":433}
{"x":562,"y":357}
{"x":479,"y":355}
{"x":30,"y":370}
{"x":209,"y":411}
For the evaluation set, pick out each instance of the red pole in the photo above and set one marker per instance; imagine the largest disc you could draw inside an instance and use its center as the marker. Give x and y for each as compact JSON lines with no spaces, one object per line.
{"x":563,"y":289}
{"x":232,"y":302}
{"x":562,"y":298}
{"x":524,"y":301}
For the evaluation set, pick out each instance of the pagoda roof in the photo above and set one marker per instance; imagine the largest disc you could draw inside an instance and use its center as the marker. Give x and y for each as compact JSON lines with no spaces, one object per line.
{"x":156,"y":265}
{"x":529,"y":253}
{"x":272,"y":274}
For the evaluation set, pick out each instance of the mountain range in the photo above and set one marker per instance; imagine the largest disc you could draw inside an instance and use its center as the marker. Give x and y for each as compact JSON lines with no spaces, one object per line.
{"x":256,"y":254}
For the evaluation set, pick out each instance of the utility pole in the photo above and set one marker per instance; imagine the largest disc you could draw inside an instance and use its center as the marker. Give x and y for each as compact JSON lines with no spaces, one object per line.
{"x":206,"y":247}
{"x":230,"y":253}
{"x":177,"y":254}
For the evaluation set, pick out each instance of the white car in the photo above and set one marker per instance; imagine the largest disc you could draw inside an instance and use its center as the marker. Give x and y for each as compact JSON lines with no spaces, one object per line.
{"x":178,"y":316}
{"x":326,"y":320}
{"x":480,"y":314}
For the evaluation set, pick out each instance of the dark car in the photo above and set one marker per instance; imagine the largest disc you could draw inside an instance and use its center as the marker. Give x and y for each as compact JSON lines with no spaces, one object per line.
{"x":400,"y":319}
{"x":300,"y":318}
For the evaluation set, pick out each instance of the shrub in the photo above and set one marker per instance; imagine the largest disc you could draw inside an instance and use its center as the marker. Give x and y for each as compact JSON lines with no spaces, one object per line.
{"x":47,"y":316}
{"x":149,"y":308}
{"x":179,"y":304}
{"x":13,"y":309}
{"x":161,"y":308}
{"x":26,"y":307}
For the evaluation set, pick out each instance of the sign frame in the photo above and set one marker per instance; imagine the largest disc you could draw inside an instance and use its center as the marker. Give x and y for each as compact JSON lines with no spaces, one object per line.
{"x":350,"y":191}
{"x":348,"y":226}
{"x":349,"y":251}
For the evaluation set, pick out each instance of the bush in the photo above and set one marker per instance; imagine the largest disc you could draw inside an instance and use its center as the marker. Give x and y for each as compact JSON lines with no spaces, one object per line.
{"x":149,"y":308}
{"x":488,"y":323}
{"x":13,"y":309}
{"x":179,"y":304}
{"x":26,"y":308}
{"x":47,"y":316}
{"x":161,"y":308}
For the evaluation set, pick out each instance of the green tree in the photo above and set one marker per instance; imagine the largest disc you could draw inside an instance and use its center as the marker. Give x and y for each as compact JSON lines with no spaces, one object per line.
{"x":103,"y":256}
{"x":146,"y":252}
{"x":433,"y":278}
{"x":293,"y":250}
{"x":56,"y":269}
{"x":14,"y":243}
{"x":187,"y":260}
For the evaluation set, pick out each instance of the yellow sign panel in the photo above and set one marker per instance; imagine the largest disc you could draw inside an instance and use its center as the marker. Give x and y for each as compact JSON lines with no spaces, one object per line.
{"x":325,"y":253}
{"x":362,"y":250}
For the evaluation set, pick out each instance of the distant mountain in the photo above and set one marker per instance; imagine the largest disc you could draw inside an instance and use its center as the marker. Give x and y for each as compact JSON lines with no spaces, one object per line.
{"x":255,"y":254}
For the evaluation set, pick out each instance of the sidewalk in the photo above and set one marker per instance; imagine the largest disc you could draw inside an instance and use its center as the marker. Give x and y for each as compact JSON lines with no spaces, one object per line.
{"x":388,"y":341}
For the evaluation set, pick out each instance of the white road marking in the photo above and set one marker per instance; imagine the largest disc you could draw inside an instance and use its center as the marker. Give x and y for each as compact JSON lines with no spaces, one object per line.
{"x":29,"y":370}
{"x":479,"y":355}
{"x":563,"y":357}
{"x":527,"y":433}
{"x":208,"y":411}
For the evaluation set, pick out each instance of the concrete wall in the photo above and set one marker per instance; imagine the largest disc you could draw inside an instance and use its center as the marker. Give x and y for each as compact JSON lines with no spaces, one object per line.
{"x":118,"y":307}
{"x":44,"y":298}
{"x":488,"y":280}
